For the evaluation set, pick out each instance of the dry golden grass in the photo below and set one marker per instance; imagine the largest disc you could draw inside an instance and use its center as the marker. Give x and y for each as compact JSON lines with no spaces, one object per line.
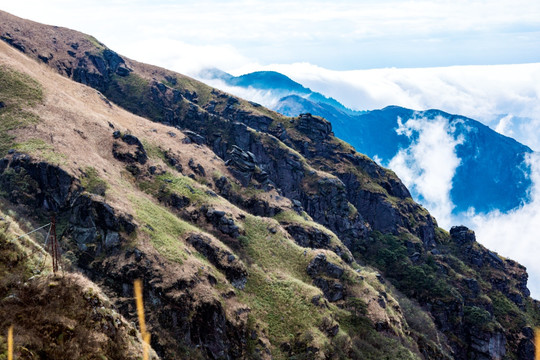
{"x":74,"y":122}
{"x":537,"y":344}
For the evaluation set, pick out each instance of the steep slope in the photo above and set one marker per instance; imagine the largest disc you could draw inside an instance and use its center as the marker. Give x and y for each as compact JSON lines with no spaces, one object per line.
{"x":492,"y":173}
{"x":256,"y":234}
{"x":218,"y":280}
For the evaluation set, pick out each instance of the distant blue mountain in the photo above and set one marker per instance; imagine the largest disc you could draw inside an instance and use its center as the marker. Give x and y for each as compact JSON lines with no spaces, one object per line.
{"x":492,"y":173}
{"x":279,"y":84}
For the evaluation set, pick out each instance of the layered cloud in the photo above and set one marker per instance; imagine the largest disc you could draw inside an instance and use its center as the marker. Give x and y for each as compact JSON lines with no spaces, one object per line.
{"x":267,"y":98}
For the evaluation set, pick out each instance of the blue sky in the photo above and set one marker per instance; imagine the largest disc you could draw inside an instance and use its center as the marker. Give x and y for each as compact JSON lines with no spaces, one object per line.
{"x":338,"y":35}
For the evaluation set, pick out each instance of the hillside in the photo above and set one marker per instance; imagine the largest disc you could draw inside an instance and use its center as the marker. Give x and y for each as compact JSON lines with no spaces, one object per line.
{"x":492,"y":173}
{"x":256,"y":235}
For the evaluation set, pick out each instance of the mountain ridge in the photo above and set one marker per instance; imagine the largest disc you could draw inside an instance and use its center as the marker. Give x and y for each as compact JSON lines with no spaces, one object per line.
{"x":374,"y":133}
{"x":265,"y":216}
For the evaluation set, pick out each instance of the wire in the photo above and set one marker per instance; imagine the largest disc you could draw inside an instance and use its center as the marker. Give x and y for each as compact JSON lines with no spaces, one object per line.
{"x":33,"y":231}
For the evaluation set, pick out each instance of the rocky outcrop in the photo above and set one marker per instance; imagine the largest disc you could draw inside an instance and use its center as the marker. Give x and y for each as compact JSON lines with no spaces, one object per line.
{"x":224,"y":260}
{"x":243,"y":163}
{"x":487,"y":346}
{"x":316,"y":128}
{"x":321,"y":266}
{"x":506,"y":273}
{"x":131,"y":150}
{"x":220,"y":221}
{"x":185,"y":315}
{"x":193,"y":137}
{"x":196,"y":168}
{"x":326,"y":277}
{"x":173,"y":160}
{"x":462,"y":235}
{"x":37,"y":185}
{"x":96,"y":229}
{"x":47,"y":189}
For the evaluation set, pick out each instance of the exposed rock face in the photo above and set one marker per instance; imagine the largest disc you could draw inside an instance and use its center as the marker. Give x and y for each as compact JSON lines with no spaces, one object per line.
{"x":315,"y":128}
{"x":509,"y":272}
{"x":320,"y":269}
{"x":194,"y":137}
{"x":488,"y":346}
{"x":224,"y":260}
{"x":319,"y":265}
{"x":196,"y":168}
{"x":462,"y":235}
{"x":92,"y":223}
{"x":185,"y":317}
{"x":244,"y":163}
{"x":223,"y":223}
{"x":39,"y":185}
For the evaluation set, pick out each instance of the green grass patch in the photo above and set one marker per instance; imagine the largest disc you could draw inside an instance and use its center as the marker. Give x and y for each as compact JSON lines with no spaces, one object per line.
{"x":478,"y":317}
{"x":273,"y":251}
{"x":153,"y":151}
{"x":506,"y":312}
{"x":282,"y":304}
{"x":16,"y":86}
{"x":95,"y":42}
{"x":164,"y":185}
{"x":93,"y":183}
{"x":164,"y":228}
{"x":42,"y":150}
{"x":18,"y":92}
{"x":290,"y":216}
{"x":134,"y":93}
{"x":204,"y":92}
{"x":389,"y":253}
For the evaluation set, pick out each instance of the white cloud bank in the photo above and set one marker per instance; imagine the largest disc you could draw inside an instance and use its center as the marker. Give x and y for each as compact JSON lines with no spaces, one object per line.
{"x":342,"y":34}
{"x":429,"y":164}
{"x":517,"y":234}
{"x":427,"y":168}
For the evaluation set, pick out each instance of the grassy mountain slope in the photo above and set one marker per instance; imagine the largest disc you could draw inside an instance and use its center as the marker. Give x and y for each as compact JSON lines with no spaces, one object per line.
{"x":180,"y":255}
{"x":257,"y":235}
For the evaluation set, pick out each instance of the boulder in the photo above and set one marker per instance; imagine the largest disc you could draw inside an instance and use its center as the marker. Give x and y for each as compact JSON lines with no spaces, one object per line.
{"x":131,"y":150}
